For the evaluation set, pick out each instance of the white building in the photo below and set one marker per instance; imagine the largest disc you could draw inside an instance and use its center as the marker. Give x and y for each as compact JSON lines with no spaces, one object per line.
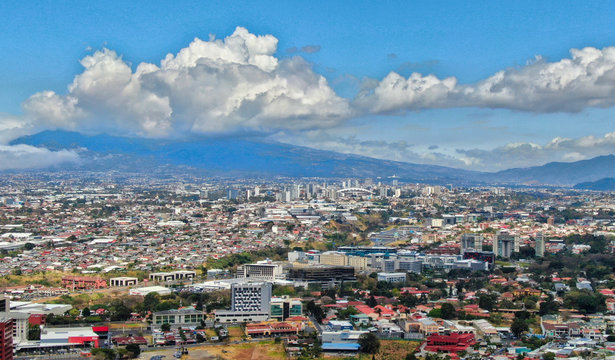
{"x":262,"y":270}
{"x":123,"y":281}
{"x":392,"y":277}
{"x":249,"y":302}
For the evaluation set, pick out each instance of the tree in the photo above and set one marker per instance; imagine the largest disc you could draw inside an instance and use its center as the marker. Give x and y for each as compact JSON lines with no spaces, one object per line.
{"x":548,"y":307}
{"x":411,"y":356}
{"x":104,"y":354}
{"x":165,"y":327}
{"x":518,"y":327}
{"x":369,"y":343}
{"x":371,"y":302}
{"x":28,"y":246}
{"x":151,"y":301}
{"x":134,"y":349}
{"x":486,"y":301}
{"x":86,"y":312}
{"x":34,"y":332}
{"x":448,"y":311}
{"x":548,"y":356}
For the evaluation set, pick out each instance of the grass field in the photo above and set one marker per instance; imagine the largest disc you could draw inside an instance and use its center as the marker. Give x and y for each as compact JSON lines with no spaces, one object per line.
{"x":247,"y":351}
{"x":250,"y":351}
{"x":235,"y":333}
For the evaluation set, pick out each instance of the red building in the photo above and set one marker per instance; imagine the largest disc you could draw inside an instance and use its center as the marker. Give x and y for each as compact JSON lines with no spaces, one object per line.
{"x":272,"y":329}
{"x":449,"y":343}
{"x":37,"y":319}
{"x":83,"y":282}
{"x":6,"y":339}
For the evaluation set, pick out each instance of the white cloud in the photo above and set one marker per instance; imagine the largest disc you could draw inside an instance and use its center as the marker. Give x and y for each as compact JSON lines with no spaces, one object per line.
{"x":235,"y":84}
{"x":379,"y":149}
{"x":586,"y":79}
{"x":530,"y":154}
{"x":19,"y":157}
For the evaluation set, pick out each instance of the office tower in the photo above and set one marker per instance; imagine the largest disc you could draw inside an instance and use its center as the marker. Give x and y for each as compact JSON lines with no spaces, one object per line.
{"x":250,"y":297}
{"x":505,"y":244}
{"x":6,"y":338}
{"x":540,"y":245}
{"x":471,"y":242}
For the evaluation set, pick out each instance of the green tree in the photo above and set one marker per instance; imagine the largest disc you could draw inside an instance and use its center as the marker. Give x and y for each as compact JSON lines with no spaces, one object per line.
{"x":486,"y":301}
{"x":369,"y":343}
{"x":165,"y":327}
{"x":86,"y":312}
{"x":548,"y":356}
{"x":104,"y":354}
{"x":134,"y":349}
{"x":448,"y":311}
{"x":410,"y":356}
{"x":518,"y":327}
{"x":151,"y":301}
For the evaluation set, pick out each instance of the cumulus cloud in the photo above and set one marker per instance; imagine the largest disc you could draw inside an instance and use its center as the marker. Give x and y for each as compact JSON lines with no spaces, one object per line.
{"x":379,"y":149}
{"x":214,"y":86}
{"x":524,"y":154}
{"x":586,"y":79}
{"x":19,"y":157}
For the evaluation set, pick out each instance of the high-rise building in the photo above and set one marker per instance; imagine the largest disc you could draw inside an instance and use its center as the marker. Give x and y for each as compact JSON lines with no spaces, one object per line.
{"x":249,"y":302}
{"x":7,"y":329}
{"x":283,"y":308}
{"x":505,"y":244}
{"x":540,"y":245}
{"x":6,"y":338}
{"x":251,"y":297}
{"x":471,"y":242}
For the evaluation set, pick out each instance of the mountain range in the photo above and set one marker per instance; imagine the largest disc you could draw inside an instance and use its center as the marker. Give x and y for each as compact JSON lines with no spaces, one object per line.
{"x":248,"y":157}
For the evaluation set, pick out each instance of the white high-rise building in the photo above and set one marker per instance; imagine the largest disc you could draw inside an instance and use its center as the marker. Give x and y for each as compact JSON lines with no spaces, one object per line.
{"x":251,"y":297}
{"x":540,"y":245}
{"x":471,"y":242}
{"x":505,"y":244}
{"x":249,"y":302}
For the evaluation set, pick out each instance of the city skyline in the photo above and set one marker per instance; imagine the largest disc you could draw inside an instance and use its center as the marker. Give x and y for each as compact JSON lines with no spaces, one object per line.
{"x":524,"y":85}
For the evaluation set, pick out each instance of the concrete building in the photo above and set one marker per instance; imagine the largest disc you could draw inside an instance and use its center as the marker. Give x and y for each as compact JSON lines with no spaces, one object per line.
{"x":172,"y":276}
{"x":505,"y":244}
{"x":283,"y":308}
{"x":471,"y":242}
{"x":160,"y":290}
{"x":262,"y":270}
{"x":6,"y":338}
{"x":359,"y":263}
{"x":540,"y":245}
{"x":123,"y":281}
{"x":249,"y":302}
{"x":392,"y":277}
{"x":186,"y":317}
{"x":333,"y":258}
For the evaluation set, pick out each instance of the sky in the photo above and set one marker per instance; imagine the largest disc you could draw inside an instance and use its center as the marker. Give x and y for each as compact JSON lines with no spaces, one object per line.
{"x":482,"y":85}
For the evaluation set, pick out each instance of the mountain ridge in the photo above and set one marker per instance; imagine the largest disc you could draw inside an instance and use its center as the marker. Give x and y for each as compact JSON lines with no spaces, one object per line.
{"x":249,"y":157}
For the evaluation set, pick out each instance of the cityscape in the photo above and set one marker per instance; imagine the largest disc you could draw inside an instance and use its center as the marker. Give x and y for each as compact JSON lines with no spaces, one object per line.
{"x":294,"y":180}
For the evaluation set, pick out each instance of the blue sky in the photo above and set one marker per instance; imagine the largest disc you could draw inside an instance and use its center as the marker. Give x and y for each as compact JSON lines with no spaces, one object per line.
{"x":358,"y":44}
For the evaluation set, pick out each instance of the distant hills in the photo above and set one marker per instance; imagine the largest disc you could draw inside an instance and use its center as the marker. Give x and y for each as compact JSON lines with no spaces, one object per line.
{"x":558,"y":173}
{"x":248,"y":157}
{"x":235,"y":157}
{"x":606,"y":184}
